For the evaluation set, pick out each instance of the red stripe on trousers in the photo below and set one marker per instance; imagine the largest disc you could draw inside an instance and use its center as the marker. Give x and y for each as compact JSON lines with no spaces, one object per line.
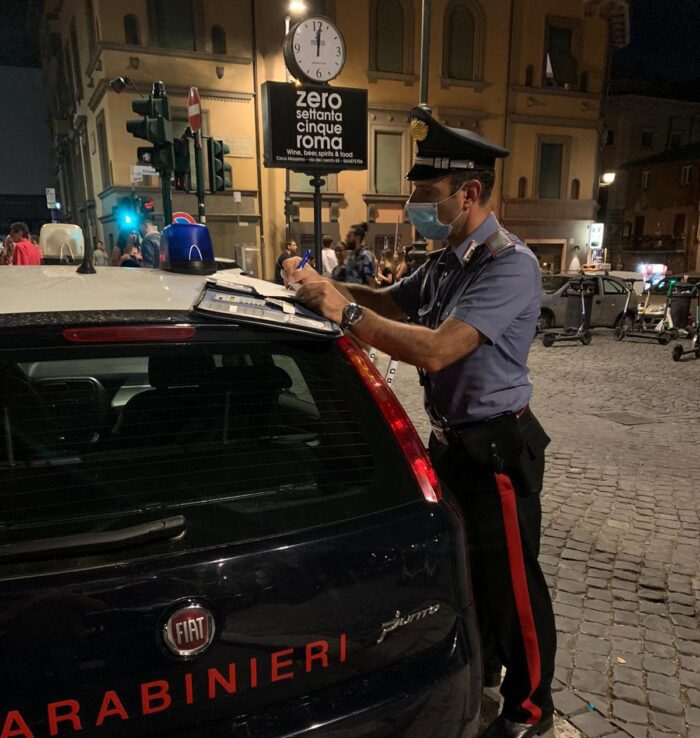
{"x":520,"y":590}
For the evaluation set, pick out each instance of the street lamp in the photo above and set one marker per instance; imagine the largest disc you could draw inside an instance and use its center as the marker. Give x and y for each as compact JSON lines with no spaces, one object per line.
{"x":296,"y":7}
{"x":119,"y":83}
{"x":608,"y":178}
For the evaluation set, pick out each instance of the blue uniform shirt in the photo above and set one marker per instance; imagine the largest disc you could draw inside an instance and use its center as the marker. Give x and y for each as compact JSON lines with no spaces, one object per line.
{"x":500,"y":297}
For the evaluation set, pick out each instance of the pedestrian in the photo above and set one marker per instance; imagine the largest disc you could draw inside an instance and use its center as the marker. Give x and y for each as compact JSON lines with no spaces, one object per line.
{"x":8,"y":250}
{"x":25,"y":252}
{"x":150,"y":244}
{"x":118,"y":249}
{"x":360,"y":267}
{"x":340,"y":272}
{"x":99,"y":257}
{"x":290,"y":249}
{"x":400,"y":266}
{"x":129,"y":257}
{"x":328,"y":257}
{"x":474,"y":307}
{"x":385,"y":273}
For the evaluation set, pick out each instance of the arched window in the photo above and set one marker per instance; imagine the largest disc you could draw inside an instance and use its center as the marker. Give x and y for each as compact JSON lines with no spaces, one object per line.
{"x":575,"y":189}
{"x":218,"y":40}
{"x":462,"y":40}
{"x":132,"y":32}
{"x":389,"y":23}
{"x":522,"y":188}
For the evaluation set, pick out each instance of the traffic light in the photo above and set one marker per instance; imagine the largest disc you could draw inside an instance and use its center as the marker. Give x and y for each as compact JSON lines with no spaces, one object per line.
{"x":155,"y":127}
{"x":127,"y":212}
{"x":181,"y":168}
{"x":220,"y":173}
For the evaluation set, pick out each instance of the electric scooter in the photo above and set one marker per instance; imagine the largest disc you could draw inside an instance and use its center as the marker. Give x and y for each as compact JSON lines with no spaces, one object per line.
{"x":580,"y":290}
{"x":639,"y":327}
{"x":679,"y":351}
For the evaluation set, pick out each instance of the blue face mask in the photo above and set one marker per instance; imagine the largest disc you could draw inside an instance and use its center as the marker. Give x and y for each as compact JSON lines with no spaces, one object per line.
{"x":424,"y":218}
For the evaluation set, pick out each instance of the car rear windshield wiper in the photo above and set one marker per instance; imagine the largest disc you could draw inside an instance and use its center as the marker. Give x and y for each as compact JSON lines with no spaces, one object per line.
{"x":82,"y":543}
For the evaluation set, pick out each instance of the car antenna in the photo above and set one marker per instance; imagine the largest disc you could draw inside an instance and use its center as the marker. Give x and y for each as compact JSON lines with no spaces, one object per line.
{"x":86,"y":266}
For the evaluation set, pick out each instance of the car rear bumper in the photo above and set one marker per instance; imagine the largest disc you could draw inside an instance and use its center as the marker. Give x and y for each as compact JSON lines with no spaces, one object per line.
{"x":420,"y":701}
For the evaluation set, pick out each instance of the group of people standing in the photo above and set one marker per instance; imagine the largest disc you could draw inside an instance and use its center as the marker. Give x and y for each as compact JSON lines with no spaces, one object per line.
{"x":19,"y":248}
{"x":351,"y":261}
{"x":133,"y":249}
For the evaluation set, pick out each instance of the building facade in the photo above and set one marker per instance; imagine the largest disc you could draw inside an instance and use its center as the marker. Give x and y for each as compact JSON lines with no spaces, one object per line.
{"x":655,"y":135}
{"x":528,"y":75}
{"x":661,"y":212}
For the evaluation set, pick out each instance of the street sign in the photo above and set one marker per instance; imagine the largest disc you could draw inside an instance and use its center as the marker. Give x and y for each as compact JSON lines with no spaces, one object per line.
{"x":314,"y":129}
{"x":181,"y":217}
{"x":141,"y":170}
{"x":194,"y":109}
{"x":237,"y":196}
{"x":50,"y":198}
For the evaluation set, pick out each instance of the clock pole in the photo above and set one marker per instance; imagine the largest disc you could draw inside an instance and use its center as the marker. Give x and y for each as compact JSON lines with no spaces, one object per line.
{"x":314,"y":34}
{"x":317,"y":183}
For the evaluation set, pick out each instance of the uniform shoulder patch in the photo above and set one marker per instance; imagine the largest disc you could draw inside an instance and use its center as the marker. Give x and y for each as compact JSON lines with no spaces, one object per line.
{"x":500,"y":242}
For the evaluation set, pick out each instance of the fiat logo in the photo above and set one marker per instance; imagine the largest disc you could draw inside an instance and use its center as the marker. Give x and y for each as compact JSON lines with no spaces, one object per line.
{"x":189,"y":630}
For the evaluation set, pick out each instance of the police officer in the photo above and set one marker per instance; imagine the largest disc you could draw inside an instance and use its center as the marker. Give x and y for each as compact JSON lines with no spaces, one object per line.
{"x":473,"y":308}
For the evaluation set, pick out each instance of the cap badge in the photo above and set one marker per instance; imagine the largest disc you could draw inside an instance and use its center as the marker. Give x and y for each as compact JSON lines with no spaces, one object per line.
{"x":419,"y":129}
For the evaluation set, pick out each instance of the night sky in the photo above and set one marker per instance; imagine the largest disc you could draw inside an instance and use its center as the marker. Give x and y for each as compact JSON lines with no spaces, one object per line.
{"x":665,"y":42}
{"x":19,"y":42}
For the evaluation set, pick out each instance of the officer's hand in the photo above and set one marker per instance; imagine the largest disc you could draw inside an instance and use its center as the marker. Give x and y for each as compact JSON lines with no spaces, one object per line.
{"x":322,"y":297}
{"x":289,"y":266}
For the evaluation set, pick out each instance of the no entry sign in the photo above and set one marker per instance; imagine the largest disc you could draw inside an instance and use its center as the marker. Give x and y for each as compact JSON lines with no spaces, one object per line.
{"x":314,"y":129}
{"x":194,"y":109}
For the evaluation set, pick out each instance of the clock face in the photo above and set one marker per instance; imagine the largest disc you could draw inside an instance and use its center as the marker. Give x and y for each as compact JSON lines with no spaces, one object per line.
{"x":318,"y":49}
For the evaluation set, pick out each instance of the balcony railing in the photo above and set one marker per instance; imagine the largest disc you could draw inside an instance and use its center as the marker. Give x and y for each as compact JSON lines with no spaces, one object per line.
{"x":663,"y":243}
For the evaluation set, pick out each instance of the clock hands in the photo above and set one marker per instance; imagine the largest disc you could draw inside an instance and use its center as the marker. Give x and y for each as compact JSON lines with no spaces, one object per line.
{"x":318,"y":42}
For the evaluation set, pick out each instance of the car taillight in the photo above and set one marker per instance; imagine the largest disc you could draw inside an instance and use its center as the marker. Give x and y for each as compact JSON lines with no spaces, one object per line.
{"x":129,"y":333}
{"x":396,"y":417}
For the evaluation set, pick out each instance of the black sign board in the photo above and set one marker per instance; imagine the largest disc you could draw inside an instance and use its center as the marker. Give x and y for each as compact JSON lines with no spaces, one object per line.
{"x":314,"y":129}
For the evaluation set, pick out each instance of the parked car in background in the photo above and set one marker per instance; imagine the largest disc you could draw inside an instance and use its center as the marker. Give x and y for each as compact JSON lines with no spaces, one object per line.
{"x":655,"y":297}
{"x":609,"y":302}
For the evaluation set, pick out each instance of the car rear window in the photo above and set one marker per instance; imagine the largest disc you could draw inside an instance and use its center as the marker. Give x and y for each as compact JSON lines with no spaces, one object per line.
{"x":551,"y":284}
{"x":244,"y":440}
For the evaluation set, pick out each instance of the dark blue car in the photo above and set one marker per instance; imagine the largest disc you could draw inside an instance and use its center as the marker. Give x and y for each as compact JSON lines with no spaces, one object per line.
{"x":216,"y":520}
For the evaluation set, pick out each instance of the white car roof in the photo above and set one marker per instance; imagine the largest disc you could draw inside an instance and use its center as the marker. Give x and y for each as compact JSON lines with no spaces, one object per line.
{"x":47,"y":289}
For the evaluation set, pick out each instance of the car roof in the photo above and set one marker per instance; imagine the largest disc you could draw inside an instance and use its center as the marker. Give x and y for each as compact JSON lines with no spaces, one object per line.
{"x":43,"y":289}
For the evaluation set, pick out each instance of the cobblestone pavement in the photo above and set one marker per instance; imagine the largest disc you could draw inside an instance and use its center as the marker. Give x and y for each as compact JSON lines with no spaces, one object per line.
{"x":621,"y":525}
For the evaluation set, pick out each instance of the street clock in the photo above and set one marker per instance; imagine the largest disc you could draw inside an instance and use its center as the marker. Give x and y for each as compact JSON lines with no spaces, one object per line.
{"x":314,"y":50}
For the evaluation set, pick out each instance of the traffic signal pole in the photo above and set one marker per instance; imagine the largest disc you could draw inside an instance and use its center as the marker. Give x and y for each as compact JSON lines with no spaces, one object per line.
{"x":167,"y":199}
{"x":199,"y":174}
{"x":165,"y":172}
{"x":194,"y":115}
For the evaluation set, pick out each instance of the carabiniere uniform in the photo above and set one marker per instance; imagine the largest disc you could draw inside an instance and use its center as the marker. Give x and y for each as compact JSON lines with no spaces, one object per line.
{"x":486,"y":444}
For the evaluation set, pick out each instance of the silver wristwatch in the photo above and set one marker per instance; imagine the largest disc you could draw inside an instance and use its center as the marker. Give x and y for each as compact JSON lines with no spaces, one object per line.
{"x":352,"y":314}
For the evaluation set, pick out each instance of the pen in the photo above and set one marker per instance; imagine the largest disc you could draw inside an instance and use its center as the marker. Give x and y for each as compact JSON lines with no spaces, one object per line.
{"x":305,"y":259}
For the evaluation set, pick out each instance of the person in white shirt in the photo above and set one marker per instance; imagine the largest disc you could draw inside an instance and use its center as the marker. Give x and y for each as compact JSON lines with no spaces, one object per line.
{"x":328,"y":257}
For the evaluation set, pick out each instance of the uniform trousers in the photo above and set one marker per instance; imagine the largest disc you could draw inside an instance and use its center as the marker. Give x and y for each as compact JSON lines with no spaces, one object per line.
{"x":503,"y":516}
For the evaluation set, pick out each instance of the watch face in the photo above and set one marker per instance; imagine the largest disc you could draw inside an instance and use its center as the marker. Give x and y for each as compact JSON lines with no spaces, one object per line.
{"x":352,"y":313}
{"x":319,"y":49}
